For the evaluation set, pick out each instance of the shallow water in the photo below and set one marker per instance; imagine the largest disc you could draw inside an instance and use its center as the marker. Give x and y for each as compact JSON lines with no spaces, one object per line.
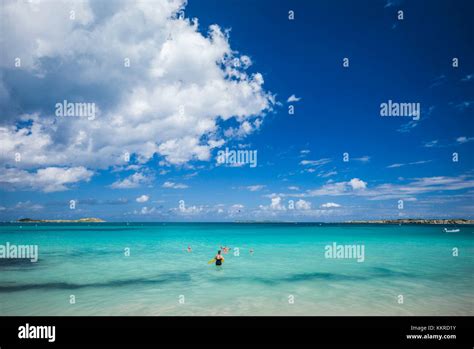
{"x":88,"y":261}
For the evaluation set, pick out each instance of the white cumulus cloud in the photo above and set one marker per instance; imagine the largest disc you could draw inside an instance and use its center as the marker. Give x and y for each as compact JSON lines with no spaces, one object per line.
{"x":142,"y":198}
{"x":293,"y":98}
{"x":303,"y":205}
{"x":132,"y":181}
{"x":49,"y":179}
{"x":464,"y":139}
{"x":357,"y":184}
{"x":161,"y":85}
{"x":330,"y":205}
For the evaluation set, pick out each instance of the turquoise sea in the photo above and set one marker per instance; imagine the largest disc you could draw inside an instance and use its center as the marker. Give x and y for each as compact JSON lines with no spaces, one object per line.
{"x":287,"y":274}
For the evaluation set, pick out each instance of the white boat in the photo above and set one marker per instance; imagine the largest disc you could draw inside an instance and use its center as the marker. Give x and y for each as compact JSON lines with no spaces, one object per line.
{"x":446,"y":230}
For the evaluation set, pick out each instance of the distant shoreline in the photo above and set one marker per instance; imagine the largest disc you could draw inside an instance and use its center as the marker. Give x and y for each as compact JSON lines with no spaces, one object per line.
{"x":415,"y":221}
{"x":378,"y":221}
{"x":457,"y":221}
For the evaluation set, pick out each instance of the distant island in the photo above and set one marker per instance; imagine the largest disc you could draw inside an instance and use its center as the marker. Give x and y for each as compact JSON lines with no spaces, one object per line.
{"x":415,"y":221}
{"x":81,"y":220}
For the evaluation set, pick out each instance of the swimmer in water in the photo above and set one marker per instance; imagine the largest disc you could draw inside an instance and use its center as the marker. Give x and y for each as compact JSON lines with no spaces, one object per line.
{"x":219,"y":259}
{"x":251,"y":251}
{"x":190,"y":249}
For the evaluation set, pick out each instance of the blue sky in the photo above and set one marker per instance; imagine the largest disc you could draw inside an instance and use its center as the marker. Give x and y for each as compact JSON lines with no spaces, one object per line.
{"x":210,"y":75}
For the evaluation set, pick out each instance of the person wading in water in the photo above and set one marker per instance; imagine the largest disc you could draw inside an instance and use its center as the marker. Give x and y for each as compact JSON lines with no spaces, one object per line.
{"x":219,"y":259}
